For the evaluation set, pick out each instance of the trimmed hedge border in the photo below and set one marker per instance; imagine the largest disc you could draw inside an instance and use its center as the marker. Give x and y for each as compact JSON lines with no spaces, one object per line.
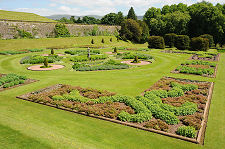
{"x":200,"y":135}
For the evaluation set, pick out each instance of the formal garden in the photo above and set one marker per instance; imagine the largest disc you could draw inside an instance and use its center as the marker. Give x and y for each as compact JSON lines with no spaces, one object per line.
{"x":149,"y":85}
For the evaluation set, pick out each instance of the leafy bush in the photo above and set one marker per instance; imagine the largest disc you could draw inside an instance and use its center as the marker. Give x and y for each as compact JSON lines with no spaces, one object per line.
{"x":187,"y":131}
{"x":24,"y":34}
{"x":175,"y":92}
{"x":170,"y":39}
{"x":210,"y":38}
{"x":61,"y":31}
{"x":103,"y":41}
{"x":199,"y":44}
{"x":156,"y":42}
{"x":182,"y":42}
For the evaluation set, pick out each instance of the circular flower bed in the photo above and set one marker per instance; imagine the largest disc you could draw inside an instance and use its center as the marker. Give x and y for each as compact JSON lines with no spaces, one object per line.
{"x":38,"y":67}
{"x":140,"y":63}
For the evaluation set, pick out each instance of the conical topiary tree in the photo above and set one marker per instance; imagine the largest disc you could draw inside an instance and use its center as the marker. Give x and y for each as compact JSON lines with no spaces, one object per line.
{"x":46,"y":62}
{"x":103,"y":41}
{"x":115,"y":50}
{"x":135,"y":60}
{"x":111,"y":39}
{"x":52,"y":52}
{"x":131,"y":14}
{"x":92,"y":41}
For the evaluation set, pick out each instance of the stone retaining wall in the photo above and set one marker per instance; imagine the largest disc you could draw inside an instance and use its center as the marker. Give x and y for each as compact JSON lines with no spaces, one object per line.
{"x":8,"y":29}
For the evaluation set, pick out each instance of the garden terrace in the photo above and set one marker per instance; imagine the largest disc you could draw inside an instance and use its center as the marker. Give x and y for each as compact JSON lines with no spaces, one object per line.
{"x":179,"y":104}
{"x":203,"y":68}
{"x":8,"y":81}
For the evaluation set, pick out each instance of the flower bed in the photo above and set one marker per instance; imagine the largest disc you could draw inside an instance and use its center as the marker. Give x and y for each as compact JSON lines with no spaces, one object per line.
{"x":170,"y":107}
{"x":203,"y":68}
{"x":8,"y":81}
{"x":128,"y":55}
{"x":37,"y":59}
{"x":108,"y":65}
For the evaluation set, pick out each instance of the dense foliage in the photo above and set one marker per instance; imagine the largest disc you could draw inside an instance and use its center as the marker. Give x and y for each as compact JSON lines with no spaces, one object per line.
{"x":182,"y":42}
{"x":187,"y":131}
{"x":61,"y":31}
{"x":170,"y":39}
{"x":156,"y":42}
{"x":199,"y":44}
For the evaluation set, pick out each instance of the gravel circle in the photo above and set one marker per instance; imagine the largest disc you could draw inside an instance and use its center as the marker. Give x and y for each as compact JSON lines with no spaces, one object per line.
{"x":38,"y":67}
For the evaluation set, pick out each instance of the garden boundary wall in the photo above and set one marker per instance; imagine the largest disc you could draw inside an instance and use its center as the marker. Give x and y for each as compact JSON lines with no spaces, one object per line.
{"x":8,"y":29}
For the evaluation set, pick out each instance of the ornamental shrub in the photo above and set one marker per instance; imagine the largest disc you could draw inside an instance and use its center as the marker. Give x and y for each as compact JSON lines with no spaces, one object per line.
{"x":199,"y":44}
{"x":92,"y":41}
{"x":52,"y":52}
{"x":210,"y":38}
{"x":187,"y":131}
{"x":103,"y":41}
{"x":111,"y":39}
{"x":182,"y":42}
{"x":156,"y":42}
{"x":46,"y":62}
{"x":170,"y":39}
{"x":24,"y":34}
{"x":61,"y":31}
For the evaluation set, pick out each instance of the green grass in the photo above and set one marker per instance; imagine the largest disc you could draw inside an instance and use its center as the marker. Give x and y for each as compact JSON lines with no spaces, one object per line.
{"x":53,"y":128}
{"x":23,"y":16}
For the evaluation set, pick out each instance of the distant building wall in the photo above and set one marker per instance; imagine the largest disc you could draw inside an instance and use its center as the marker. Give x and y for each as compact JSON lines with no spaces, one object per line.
{"x":8,"y":29}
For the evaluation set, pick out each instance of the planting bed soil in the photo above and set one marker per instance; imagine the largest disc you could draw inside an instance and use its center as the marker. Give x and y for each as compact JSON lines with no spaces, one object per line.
{"x":9,"y":81}
{"x":181,"y":107}
{"x":38,"y":67}
{"x":205,"y":58}
{"x":138,"y":64}
{"x":203,"y":68}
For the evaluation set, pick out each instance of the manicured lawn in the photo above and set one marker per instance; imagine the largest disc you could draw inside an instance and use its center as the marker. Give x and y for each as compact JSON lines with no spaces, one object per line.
{"x":52,"y":128}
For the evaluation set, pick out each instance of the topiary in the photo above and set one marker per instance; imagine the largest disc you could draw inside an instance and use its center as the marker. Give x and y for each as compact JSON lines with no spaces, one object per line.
{"x":103,"y":41}
{"x":210,"y":38}
{"x":92,"y":41}
{"x":199,"y":44}
{"x":111,"y":39}
{"x":61,"y":31}
{"x":182,"y":42}
{"x":135,"y":60}
{"x":46,"y":62}
{"x":156,"y":42}
{"x":115,"y":50}
{"x":170,"y":39}
{"x":52,"y":52}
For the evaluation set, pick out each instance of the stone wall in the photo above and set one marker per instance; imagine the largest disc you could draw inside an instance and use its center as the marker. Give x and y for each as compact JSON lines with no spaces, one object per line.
{"x":8,"y":29}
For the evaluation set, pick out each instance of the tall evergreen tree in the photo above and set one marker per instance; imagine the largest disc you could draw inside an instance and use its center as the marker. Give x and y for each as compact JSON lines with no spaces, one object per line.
{"x":131,"y":14}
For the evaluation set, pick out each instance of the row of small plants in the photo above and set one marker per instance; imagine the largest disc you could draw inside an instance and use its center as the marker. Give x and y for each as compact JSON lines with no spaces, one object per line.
{"x":82,"y":52}
{"x":129,"y":55}
{"x":10,"y":80}
{"x":203,"y":68}
{"x":84,"y":58}
{"x":108,"y":65}
{"x":37,"y":59}
{"x":19,"y":52}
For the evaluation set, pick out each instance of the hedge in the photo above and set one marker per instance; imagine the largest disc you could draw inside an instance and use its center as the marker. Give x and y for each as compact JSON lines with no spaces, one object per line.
{"x":182,"y":42}
{"x":210,"y":38}
{"x":199,"y":44}
{"x":156,"y":42}
{"x":170,"y":39}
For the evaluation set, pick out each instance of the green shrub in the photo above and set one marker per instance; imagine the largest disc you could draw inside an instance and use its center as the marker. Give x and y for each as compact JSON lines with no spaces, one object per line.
{"x":193,"y":62}
{"x":111,"y":40}
{"x":12,"y":52}
{"x":46,"y":62}
{"x":156,"y":42}
{"x":187,"y":131}
{"x":210,"y":38}
{"x":85,"y":58}
{"x":199,"y":44}
{"x":175,"y":92}
{"x":61,"y":31}
{"x":197,"y":71}
{"x":129,"y":55}
{"x":182,"y":42}
{"x":35,"y":50}
{"x":92,"y":41}
{"x":36,"y":59}
{"x":82,"y":52}
{"x":170,"y":39}
{"x":103,"y":41}
{"x":24,"y":34}
{"x":52,"y":52}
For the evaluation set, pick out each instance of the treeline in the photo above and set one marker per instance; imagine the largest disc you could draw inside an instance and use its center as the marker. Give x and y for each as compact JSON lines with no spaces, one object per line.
{"x":193,"y":21}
